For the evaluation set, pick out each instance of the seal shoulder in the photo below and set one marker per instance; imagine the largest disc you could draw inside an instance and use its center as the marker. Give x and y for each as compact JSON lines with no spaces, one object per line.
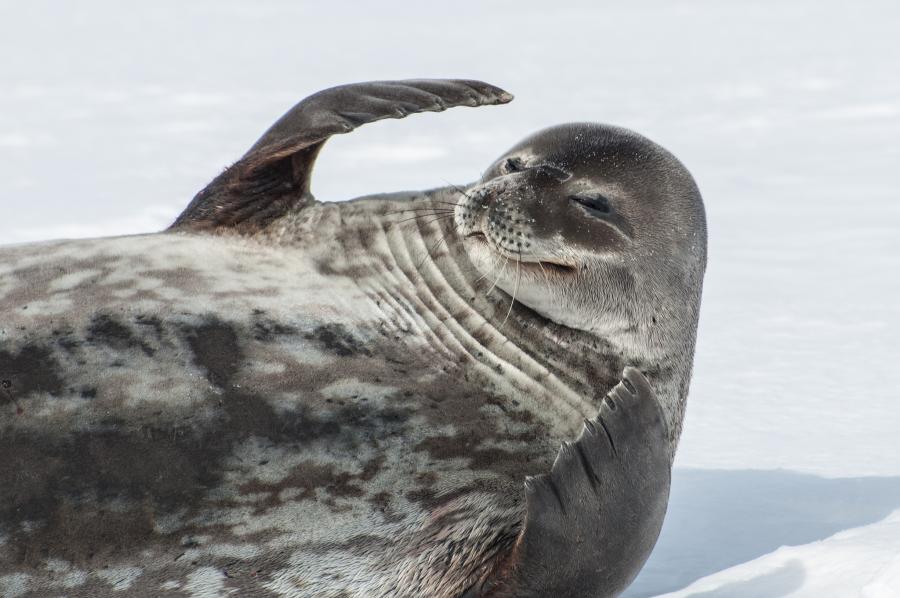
{"x":274,"y":175}
{"x":592,"y":521}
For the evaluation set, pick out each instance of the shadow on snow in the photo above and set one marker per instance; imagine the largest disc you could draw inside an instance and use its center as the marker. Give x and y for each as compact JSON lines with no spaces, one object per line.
{"x":718,"y":519}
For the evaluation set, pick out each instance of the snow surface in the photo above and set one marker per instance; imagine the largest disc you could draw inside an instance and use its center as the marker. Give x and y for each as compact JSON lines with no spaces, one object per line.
{"x":787,"y":113}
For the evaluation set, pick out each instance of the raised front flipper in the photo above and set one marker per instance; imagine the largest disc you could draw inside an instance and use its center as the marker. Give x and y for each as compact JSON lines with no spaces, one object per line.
{"x":592,"y":522}
{"x":274,"y":175}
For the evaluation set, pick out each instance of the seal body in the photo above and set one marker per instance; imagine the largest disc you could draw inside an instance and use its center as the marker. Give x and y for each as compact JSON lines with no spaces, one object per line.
{"x":229,"y":405}
{"x":333,"y":400}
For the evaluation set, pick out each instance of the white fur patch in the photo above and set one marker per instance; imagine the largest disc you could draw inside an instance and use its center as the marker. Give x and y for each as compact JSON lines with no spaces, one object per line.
{"x":206,"y":582}
{"x":120,"y":578}
{"x":15,"y":585}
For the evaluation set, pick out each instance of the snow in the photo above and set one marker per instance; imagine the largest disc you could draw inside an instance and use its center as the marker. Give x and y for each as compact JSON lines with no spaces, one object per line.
{"x":861,"y":562}
{"x":787,"y":482}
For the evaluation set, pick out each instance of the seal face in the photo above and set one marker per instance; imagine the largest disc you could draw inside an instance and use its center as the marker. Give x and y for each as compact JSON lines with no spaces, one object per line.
{"x":589,"y":207}
{"x":284,"y":397}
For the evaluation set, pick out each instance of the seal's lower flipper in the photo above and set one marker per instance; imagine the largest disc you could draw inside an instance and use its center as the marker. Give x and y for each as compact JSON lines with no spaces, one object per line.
{"x":274,"y":175}
{"x":592,"y":522}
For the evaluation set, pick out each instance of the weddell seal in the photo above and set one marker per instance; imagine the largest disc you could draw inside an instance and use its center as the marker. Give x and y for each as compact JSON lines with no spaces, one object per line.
{"x":282,"y":397}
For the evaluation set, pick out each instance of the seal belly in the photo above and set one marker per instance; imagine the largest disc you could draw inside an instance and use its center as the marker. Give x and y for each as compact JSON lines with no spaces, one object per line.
{"x":182,"y":403}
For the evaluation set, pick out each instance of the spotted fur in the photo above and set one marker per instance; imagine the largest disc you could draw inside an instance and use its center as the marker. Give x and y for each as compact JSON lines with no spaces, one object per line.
{"x":223,"y":398}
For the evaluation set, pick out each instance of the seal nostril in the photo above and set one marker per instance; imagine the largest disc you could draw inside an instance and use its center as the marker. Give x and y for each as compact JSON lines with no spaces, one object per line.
{"x":513,"y":165}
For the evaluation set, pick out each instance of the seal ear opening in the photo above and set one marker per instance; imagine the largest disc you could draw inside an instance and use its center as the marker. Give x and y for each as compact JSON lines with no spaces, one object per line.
{"x":274,"y":176}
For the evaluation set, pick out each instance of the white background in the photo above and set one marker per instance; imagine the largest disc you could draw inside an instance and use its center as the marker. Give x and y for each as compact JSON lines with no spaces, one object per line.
{"x":113,"y":114}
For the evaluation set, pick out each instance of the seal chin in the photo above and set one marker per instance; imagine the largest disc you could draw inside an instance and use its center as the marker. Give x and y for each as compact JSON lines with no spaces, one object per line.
{"x":482,"y":250}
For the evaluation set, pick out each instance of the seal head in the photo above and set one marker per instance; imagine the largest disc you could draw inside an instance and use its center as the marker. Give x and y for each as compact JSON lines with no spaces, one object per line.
{"x":594,"y":227}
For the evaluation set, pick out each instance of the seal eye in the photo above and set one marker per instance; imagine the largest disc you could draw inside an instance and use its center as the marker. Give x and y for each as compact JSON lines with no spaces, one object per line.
{"x":513,"y":165}
{"x":594,"y":204}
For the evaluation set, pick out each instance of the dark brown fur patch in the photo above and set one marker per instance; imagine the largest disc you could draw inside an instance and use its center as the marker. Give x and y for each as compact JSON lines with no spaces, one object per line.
{"x":106,"y":330}
{"x":32,"y":369}
{"x":64,"y":485}
{"x":338,"y":340}
{"x":309,"y":476}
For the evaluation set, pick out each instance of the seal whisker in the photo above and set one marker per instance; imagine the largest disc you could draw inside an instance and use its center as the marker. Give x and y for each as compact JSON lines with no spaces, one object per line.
{"x":499,"y":274}
{"x":546,"y":278}
{"x":428,"y":253}
{"x":458,"y":189}
{"x":439,"y":218}
{"x":435,"y":210}
{"x":422,"y":207}
{"x":424,"y":215}
{"x":418,"y":216}
{"x":449,"y":203}
{"x":515,"y":290}
{"x":480,"y":278}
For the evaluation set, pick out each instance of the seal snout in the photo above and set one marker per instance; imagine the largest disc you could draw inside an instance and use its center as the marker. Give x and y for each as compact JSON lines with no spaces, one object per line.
{"x":508,"y":227}
{"x":493,"y":213}
{"x":501,"y":221}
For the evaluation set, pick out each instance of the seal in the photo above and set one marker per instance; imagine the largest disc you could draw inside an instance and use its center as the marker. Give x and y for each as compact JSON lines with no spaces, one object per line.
{"x":284,"y":397}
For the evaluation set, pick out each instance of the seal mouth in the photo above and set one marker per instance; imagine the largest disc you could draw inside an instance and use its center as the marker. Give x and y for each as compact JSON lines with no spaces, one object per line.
{"x":547,"y":265}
